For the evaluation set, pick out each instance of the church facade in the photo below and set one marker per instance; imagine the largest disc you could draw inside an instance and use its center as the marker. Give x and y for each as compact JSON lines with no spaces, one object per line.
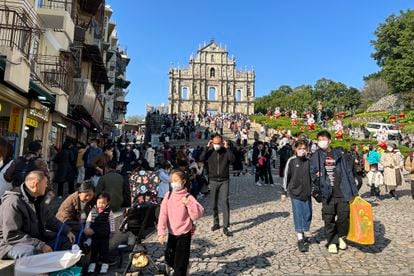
{"x":211,"y":84}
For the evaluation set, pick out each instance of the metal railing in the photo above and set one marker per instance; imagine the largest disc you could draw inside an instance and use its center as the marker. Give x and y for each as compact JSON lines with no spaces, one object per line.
{"x":54,"y":71}
{"x":15,"y":30}
{"x":65,"y":5}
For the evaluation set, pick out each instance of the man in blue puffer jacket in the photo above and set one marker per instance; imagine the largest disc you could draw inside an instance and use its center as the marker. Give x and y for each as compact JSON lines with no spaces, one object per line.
{"x":334,"y":185}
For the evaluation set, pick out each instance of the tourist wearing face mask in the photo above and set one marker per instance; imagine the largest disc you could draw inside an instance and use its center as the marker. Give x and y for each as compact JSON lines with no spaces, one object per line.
{"x":297,"y":183}
{"x":178,"y":211}
{"x":393,"y":165}
{"x":219,"y":157}
{"x":334,"y":185}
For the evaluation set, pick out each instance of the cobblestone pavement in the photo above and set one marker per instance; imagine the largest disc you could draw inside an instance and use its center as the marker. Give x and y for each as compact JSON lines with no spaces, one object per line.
{"x":264,"y":241}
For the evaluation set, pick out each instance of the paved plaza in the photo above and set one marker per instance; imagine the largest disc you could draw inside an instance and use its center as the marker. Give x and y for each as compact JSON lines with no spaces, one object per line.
{"x":264,"y":242}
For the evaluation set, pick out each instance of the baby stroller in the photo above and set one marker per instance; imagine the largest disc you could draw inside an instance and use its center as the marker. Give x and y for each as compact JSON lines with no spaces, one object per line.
{"x":140,"y":220}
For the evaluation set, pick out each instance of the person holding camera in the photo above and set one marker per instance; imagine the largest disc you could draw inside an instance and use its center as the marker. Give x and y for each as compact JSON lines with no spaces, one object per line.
{"x":334,"y":185}
{"x":219,"y":156}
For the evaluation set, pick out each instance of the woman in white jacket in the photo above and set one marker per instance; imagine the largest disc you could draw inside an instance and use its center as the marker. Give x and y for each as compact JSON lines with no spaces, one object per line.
{"x":164,"y":185}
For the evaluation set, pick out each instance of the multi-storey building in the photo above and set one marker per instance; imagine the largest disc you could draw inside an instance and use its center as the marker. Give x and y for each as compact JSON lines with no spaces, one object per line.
{"x":212,"y":84}
{"x":54,"y":80}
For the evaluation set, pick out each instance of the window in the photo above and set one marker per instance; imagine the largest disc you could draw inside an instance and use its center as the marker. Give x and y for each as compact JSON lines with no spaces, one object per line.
{"x":184,"y":93}
{"x":212,"y":73}
{"x":238,"y":95}
{"x":212,"y":58}
{"x":212,"y":94}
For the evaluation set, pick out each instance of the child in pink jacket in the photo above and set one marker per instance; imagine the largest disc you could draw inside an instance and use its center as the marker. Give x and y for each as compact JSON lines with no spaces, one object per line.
{"x":178,"y":211}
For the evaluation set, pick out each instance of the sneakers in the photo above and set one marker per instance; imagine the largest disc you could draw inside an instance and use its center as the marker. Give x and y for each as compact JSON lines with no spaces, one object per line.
{"x":104,"y":268}
{"x":88,"y":242}
{"x":259,"y":184}
{"x":342,"y":244}
{"x":91,"y":268}
{"x":332,"y":249}
{"x":302,"y":246}
{"x":215,"y":227}
{"x":227,"y":232}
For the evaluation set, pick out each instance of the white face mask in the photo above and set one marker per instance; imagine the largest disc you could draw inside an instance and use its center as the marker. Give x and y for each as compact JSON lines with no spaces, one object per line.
{"x":301,"y":153}
{"x":216,"y":147}
{"x":323,"y":144}
{"x":176,"y":186}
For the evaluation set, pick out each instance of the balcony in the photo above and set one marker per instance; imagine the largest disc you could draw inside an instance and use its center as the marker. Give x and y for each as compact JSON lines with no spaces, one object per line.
{"x":17,"y":33}
{"x":54,"y":71}
{"x":90,"y":6}
{"x":84,"y":96}
{"x":56,"y":15}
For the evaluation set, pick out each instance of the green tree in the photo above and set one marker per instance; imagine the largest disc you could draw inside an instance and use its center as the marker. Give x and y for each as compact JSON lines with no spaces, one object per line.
{"x":394,"y":51}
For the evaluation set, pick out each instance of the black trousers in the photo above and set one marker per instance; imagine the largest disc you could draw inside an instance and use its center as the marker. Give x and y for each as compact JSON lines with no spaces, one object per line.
{"x":99,"y":249}
{"x":258,"y":173}
{"x":71,"y":187}
{"x":220,"y":190}
{"x":267,"y":171}
{"x":412,"y":189}
{"x":335,"y":214}
{"x":177,"y":253}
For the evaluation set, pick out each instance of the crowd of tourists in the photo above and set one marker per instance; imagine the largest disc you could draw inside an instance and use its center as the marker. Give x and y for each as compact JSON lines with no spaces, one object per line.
{"x":92,"y":182}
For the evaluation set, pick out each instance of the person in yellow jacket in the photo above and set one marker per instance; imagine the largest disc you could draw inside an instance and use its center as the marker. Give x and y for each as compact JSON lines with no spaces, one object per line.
{"x":80,"y":165}
{"x":409,"y":166}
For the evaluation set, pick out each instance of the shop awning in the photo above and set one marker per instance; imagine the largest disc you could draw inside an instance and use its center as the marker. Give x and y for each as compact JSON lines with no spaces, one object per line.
{"x":42,"y":93}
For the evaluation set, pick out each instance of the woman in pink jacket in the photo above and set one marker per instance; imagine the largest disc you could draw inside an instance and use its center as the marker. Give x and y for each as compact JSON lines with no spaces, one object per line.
{"x":178,"y":211}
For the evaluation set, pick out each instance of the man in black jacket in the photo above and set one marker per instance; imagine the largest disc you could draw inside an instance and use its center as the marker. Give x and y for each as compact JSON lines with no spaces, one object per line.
{"x":297,"y":182}
{"x":219,"y":156}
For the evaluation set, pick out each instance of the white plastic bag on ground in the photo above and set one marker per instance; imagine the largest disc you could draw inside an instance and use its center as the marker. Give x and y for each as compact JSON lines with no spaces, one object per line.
{"x":47,"y":262}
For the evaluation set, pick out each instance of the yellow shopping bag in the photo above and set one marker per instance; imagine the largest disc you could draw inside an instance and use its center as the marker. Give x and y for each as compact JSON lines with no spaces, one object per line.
{"x":361,"y":224}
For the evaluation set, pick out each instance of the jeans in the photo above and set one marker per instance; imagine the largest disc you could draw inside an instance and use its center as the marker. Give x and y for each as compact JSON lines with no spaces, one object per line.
{"x":21,"y":250}
{"x":302,"y":214}
{"x":177,"y":253}
{"x":335,"y":214}
{"x":81,"y":175}
{"x":220,"y":189}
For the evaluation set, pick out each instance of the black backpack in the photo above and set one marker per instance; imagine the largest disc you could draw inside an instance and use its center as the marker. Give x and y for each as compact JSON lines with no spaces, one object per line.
{"x":22,"y":168}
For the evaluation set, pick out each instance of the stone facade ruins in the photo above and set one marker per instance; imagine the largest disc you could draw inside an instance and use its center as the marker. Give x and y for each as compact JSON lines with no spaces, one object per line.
{"x":211,"y":84}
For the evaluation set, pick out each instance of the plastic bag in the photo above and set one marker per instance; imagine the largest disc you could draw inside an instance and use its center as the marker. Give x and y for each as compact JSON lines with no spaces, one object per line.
{"x":361,"y":224}
{"x":73,"y":271}
{"x":47,"y":262}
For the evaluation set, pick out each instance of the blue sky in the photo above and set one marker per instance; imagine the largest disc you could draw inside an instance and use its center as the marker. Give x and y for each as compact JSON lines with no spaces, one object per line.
{"x":287,"y":42}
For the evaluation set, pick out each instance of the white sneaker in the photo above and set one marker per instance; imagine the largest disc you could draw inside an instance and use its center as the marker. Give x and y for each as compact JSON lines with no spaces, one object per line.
{"x":88,"y":242}
{"x":91,"y":268}
{"x":104,"y":268}
{"x":258,"y":184}
{"x":342,"y":244}
{"x":333,"y":249}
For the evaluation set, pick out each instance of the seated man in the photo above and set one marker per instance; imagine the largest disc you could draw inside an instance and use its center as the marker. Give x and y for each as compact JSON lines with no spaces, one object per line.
{"x":25,"y":218}
{"x":76,"y":207}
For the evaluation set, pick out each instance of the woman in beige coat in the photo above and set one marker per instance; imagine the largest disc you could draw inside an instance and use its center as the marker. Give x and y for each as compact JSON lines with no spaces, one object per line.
{"x":393,"y":166}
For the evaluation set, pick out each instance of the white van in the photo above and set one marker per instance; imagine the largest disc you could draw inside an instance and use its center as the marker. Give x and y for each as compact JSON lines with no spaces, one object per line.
{"x":393,"y":132}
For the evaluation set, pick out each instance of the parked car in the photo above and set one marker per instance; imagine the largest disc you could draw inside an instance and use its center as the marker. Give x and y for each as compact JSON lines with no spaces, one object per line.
{"x":393,"y":132}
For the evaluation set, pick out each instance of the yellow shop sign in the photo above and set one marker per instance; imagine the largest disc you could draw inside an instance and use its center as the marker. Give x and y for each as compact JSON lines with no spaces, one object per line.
{"x":32,"y":122}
